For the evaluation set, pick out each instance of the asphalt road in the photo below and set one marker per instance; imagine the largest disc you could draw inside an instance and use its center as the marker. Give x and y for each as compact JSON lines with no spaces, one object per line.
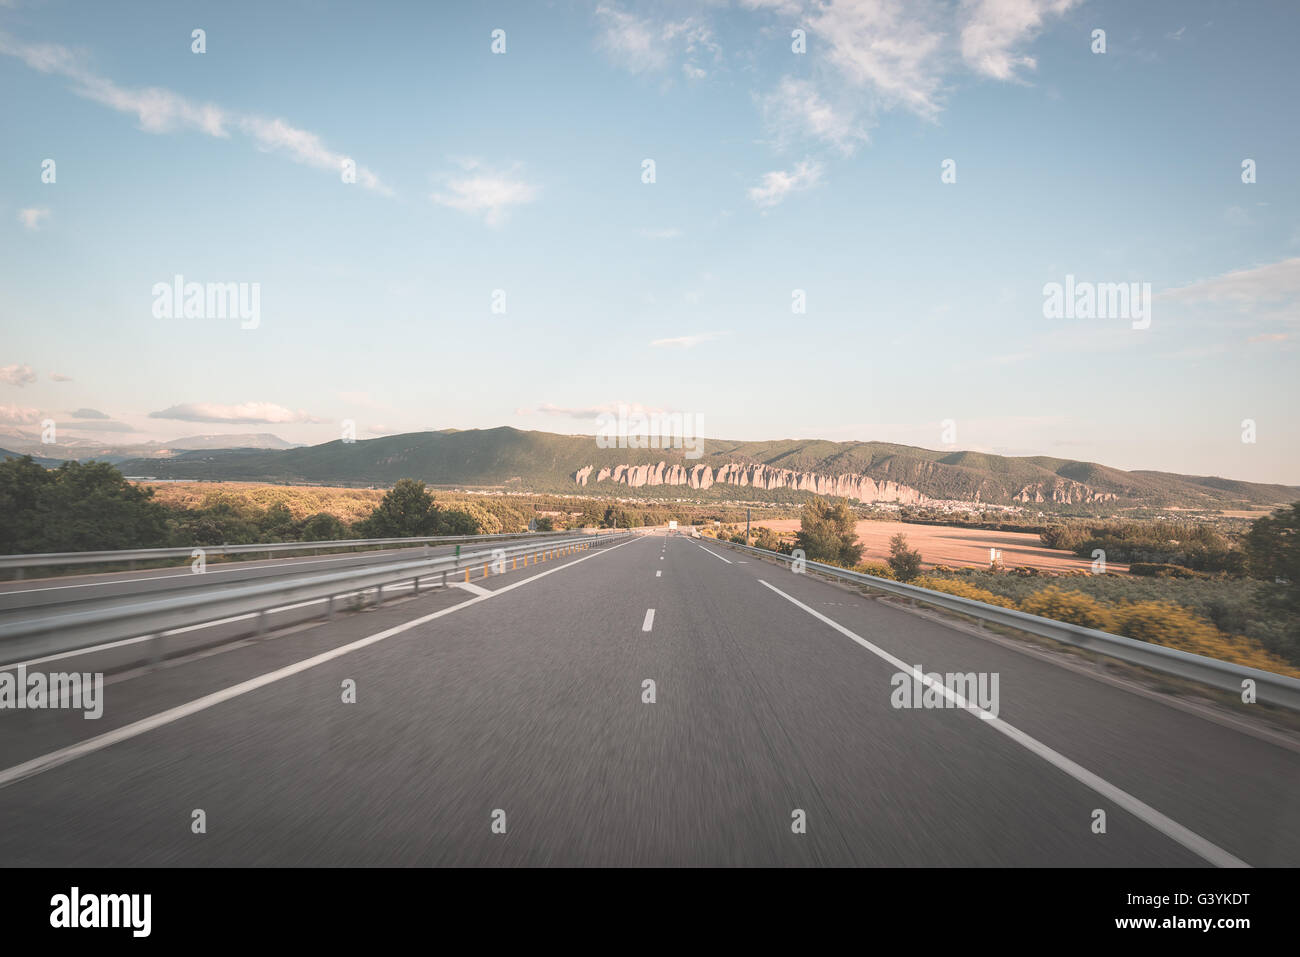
{"x":525,"y":695}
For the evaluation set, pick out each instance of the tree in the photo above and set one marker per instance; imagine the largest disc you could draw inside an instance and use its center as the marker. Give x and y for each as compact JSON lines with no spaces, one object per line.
{"x":75,"y":507}
{"x":826,"y":533}
{"x":545,"y":523}
{"x":407,"y":510}
{"x":323,"y":527}
{"x":277,"y":524}
{"x":1273,"y":546}
{"x":906,"y":562}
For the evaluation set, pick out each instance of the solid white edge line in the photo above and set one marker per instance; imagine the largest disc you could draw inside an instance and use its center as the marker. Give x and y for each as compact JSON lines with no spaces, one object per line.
{"x":1144,"y":812}
{"x":717,"y":556}
{"x":64,"y":755}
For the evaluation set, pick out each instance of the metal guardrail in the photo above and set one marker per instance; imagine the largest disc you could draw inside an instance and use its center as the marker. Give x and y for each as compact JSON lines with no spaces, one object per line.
{"x":132,"y":616}
{"x":39,"y":559}
{"x":1270,"y":688}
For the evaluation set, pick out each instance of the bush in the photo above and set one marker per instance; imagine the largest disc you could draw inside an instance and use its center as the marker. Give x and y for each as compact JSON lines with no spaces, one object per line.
{"x":1164,"y":623}
{"x":1069,"y":606}
{"x":878,"y":569}
{"x":1163,"y":570}
{"x":963,"y":590}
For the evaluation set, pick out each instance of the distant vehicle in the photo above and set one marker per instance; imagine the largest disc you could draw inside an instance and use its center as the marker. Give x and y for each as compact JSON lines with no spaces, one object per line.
{"x":672,"y":525}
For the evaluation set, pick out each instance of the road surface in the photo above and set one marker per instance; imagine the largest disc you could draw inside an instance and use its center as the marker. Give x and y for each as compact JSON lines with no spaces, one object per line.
{"x":519,"y":704}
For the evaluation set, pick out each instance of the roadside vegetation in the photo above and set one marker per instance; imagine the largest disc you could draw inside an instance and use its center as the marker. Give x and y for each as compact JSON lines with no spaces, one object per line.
{"x":1246,"y":610}
{"x":1234,"y":597}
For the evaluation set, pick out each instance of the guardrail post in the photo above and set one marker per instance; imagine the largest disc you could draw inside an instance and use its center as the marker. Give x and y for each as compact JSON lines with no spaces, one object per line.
{"x":155,"y":650}
{"x":260,"y":625}
{"x":379,"y":595}
{"x":329,"y":608}
{"x":415,"y":585}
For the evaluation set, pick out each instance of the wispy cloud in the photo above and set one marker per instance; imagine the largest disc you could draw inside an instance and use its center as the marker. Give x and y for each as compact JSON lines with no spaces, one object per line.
{"x":88,"y":414}
{"x":484,"y":192}
{"x":31,"y":217}
{"x":1257,"y":286}
{"x":19,"y":415}
{"x":795,"y":111}
{"x":249,"y":413}
{"x":58,"y":377}
{"x":17,"y":375}
{"x":778,"y":184}
{"x":688,"y":342}
{"x":901,"y":54}
{"x":644,"y":45}
{"x":159,"y":110}
{"x":996,"y":29}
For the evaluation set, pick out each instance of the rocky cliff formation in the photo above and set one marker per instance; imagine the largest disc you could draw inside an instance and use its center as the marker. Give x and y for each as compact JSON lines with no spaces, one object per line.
{"x":859,"y":487}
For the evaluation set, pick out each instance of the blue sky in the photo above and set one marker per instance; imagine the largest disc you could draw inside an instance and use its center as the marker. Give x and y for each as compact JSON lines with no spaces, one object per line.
{"x":774,"y":171}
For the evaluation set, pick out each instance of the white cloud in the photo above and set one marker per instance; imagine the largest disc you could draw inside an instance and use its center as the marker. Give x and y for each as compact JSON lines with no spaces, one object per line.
{"x":644,"y":45}
{"x":995,"y":29}
{"x":484,"y":192}
{"x":687,"y":342}
{"x":779,"y":184}
{"x":245,"y":413}
{"x":795,"y":110}
{"x":18,"y":415}
{"x":899,"y":54}
{"x":31,"y":218}
{"x":893,"y":49}
{"x":159,"y":110}
{"x":57,"y":377}
{"x":1257,"y":286}
{"x":17,"y":375}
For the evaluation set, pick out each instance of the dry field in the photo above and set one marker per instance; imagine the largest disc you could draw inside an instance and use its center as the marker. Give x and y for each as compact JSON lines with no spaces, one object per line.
{"x":958,"y":547}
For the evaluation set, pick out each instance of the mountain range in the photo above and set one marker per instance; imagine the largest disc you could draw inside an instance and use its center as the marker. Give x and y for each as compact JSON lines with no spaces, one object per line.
{"x":787,"y":470}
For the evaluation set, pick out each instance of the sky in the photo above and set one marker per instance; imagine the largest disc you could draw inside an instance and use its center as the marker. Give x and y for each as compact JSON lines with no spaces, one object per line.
{"x":626,"y":204}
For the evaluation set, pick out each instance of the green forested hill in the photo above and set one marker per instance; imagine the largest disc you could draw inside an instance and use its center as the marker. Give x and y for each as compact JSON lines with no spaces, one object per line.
{"x":547,"y":462}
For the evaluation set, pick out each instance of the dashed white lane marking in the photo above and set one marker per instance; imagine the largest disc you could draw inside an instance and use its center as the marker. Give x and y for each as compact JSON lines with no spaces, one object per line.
{"x":717,"y":556}
{"x":649,"y":620}
{"x":657,"y":574}
{"x":62,"y":756}
{"x":1143,"y":812}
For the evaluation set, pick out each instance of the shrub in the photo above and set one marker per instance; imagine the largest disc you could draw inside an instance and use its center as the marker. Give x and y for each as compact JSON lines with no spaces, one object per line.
{"x":906,"y":562}
{"x":963,"y":590}
{"x":1069,"y":606}
{"x":878,"y":569}
{"x":1163,"y":570}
